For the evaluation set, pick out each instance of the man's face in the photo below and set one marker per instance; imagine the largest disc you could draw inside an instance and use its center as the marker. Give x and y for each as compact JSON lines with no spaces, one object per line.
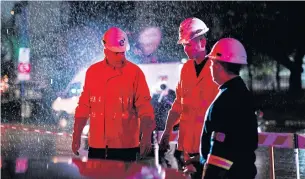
{"x":194,"y":47}
{"x":115,"y":58}
{"x":216,"y":70}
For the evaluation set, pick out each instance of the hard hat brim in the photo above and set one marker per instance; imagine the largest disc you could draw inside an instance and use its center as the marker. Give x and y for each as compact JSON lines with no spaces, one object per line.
{"x":116,"y":49}
{"x":183,"y":41}
{"x":240,"y":62}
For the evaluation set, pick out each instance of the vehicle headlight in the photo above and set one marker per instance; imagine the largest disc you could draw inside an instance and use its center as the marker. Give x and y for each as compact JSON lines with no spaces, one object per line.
{"x":63,"y":122}
{"x":73,"y":90}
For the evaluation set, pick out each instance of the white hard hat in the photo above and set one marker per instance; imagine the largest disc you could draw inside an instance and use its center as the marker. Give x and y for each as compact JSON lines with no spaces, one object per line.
{"x":191,"y":28}
{"x":229,"y":50}
{"x":115,"y":40}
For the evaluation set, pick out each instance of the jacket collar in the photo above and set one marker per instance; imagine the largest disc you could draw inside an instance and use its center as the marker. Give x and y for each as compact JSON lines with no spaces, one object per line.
{"x":107,"y":64}
{"x":231,"y":82}
{"x":204,"y":72}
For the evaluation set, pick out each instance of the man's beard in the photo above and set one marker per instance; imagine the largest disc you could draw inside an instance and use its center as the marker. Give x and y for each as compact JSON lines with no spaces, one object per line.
{"x":117,"y":63}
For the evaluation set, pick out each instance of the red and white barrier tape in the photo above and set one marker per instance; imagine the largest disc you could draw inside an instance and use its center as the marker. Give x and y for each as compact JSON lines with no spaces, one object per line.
{"x":301,"y":141}
{"x":281,"y":140}
{"x":32,"y":129}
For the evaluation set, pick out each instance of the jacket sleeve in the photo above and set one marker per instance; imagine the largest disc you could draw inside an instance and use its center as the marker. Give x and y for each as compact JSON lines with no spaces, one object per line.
{"x":142,"y":102}
{"x":82,"y":111}
{"x":205,"y":140}
{"x":175,"y":111}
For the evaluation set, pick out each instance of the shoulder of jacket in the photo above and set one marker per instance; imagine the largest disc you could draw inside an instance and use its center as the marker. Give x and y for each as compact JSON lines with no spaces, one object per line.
{"x":133,"y":67}
{"x":94,"y":67}
{"x":188,"y":63}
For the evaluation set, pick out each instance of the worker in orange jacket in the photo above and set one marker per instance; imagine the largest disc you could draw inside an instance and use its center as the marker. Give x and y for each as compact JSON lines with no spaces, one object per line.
{"x":195,"y":92}
{"x":116,"y":98}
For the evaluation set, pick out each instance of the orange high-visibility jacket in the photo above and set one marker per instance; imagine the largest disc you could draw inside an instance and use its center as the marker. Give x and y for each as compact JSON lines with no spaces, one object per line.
{"x":115,"y":99}
{"x":194,"y":95}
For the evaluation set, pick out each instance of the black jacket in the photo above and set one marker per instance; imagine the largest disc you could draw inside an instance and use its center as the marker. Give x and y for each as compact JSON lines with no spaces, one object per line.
{"x":230,"y":132}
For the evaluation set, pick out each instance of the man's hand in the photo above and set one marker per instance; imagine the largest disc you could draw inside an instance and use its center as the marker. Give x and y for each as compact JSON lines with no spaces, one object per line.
{"x":75,"y":145}
{"x":145,"y":146}
{"x":79,"y":125}
{"x":164,"y":142}
{"x":172,"y":120}
{"x":189,"y":169}
{"x":188,"y":163}
{"x":192,"y":160}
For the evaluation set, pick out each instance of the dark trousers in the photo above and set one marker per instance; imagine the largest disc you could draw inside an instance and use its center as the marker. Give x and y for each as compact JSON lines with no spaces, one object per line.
{"x":125,"y":154}
{"x":180,"y":158}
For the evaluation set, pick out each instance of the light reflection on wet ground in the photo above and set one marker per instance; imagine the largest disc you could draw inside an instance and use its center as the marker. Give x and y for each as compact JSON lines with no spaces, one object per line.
{"x":35,"y":145}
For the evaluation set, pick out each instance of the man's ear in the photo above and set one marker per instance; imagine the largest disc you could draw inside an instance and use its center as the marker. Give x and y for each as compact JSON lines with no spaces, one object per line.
{"x":219,"y":67}
{"x":203,"y":42}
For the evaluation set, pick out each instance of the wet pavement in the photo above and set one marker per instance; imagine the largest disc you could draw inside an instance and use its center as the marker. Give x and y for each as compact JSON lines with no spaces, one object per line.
{"x":44,"y":142}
